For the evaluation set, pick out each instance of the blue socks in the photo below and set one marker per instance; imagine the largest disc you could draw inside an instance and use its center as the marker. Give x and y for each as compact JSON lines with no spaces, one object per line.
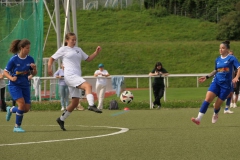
{"x":216,"y":110}
{"x":204,"y":107}
{"x":19,"y":117}
{"x":14,"y":109}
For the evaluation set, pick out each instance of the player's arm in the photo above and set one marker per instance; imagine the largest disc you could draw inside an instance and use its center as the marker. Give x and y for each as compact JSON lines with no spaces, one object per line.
{"x":92,"y":56}
{"x":204,"y":78}
{"x":50,"y":62}
{"x":34,"y":69}
{"x":235,"y":80}
{"x":6,"y":74}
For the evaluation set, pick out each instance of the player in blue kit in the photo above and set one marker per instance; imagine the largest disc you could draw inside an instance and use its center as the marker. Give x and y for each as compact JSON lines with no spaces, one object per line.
{"x":221,"y":83}
{"x":19,"y":67}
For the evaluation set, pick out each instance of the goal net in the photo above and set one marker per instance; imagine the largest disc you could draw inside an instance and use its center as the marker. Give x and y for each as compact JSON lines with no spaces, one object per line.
{"x":21,"y":19}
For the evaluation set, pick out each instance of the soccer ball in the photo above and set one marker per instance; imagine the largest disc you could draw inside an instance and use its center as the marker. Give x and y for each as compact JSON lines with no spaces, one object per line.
{"x":126,"y":97}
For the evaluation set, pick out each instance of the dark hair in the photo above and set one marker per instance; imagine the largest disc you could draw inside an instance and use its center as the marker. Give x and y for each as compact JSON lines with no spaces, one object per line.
{"x":227,"y":44}
{"x":67,"y":36}
{"x":158,"y":64}
{"x":16,"y":45}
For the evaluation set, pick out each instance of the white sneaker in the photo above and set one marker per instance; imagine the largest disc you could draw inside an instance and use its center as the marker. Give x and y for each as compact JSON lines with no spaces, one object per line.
{"x":62,"y":109}
{"x":153,"y":105}
{"x":231,"y":105}
{"x":227,"y":111}
{"x":234,"y":105}
{"x":214,"y":118}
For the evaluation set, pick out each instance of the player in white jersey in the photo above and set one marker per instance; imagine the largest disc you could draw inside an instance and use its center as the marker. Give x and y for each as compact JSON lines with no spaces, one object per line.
{"x":72,"y":57}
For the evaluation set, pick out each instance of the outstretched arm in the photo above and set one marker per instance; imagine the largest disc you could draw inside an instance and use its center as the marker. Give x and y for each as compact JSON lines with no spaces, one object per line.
{"x":92,"y":56}
{"x":204,"y":78}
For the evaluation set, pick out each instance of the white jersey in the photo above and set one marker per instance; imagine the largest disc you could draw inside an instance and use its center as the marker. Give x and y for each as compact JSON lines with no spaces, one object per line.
{"x":72,"y":58}
{"x":100,"y":79}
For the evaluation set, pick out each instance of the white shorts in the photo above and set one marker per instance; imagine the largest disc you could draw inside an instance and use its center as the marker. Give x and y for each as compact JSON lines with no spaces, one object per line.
{"x":73,"y":81}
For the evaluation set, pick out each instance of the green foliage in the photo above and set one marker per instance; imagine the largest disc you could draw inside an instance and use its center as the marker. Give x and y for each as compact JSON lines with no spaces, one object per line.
{"x":158,"y":11}
{"x":229,"y":26}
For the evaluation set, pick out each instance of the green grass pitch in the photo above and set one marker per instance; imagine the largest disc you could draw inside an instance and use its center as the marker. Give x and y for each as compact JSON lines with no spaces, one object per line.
{"x":166,"y":134}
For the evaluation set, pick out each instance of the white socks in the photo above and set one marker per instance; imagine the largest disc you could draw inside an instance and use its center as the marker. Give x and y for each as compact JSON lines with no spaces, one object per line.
{"x":64,"y":115}
{"x":200,"y":115}
{"x":90,"y":99}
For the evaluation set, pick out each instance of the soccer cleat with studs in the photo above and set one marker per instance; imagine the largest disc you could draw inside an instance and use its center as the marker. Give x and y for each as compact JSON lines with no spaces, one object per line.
{"x":195,"y":120}
{"x":94,"y":108}
{"x":214,"y":118}
{"x":9,"y":113}
{"x":18,"y":129}
{"x":61,"y":124}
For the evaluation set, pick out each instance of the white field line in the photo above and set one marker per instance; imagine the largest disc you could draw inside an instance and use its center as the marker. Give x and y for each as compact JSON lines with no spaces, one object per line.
{"x":122,"y":130}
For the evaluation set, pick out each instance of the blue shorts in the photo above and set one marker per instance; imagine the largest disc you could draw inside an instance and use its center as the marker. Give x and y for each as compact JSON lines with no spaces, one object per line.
{"x":20,"y":92}
{"x":221,"y":92}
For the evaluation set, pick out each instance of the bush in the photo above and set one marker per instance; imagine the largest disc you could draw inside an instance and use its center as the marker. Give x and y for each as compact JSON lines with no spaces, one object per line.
{"x":158,"y":11}
{"x":229,"y":27}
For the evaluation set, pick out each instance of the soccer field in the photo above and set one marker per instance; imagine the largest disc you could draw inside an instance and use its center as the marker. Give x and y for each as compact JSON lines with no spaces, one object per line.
{"x":166,"y":134}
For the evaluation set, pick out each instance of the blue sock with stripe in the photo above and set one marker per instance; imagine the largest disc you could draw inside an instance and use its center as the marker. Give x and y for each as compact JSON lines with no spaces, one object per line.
{"x":228,"y":101}
{"x":14,"y":109}
{"x":19,"y":117}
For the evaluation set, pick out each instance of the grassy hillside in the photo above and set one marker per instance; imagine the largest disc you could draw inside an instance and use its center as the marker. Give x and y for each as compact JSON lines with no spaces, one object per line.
{"x":132,"y":42}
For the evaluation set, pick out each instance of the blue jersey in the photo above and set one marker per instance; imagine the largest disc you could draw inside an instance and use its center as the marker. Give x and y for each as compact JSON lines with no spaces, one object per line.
{"x":21,"y":68}
{"x":224,"y":67}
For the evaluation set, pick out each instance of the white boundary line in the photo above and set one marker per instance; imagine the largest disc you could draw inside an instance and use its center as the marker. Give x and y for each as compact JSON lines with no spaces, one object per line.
{"x":122,"y":130}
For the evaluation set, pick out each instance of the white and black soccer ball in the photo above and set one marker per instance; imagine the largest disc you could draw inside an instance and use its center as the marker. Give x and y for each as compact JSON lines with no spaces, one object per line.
{"x":126,"y":97}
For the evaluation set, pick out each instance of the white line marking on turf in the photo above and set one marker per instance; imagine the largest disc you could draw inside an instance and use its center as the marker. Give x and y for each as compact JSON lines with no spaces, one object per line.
{"x":122,"y":130}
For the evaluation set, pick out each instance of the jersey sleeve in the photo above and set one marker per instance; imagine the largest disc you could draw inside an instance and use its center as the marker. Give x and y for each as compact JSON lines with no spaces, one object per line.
{"x":84,"y":55}
{"x":59,"y":53}
{"x":10,"y":65}
{"x":236,"y":63}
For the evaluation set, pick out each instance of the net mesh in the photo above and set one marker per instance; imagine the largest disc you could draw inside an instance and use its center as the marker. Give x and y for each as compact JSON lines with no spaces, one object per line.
{"x":19,"y":20}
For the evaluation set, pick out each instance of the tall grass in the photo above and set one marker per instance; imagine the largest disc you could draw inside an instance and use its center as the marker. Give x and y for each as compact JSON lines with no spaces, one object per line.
{"x":133,"y":41}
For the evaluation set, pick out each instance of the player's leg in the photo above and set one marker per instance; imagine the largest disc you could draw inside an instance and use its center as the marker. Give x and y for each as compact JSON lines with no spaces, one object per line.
{"x":67,"y":112}
{"x":15,"y":93}
{"x":19,"y":115}
{"x":223,"y":94}
{"x":210,"y":95}
{"x":88,"y":91}
{"x":228,"y":101}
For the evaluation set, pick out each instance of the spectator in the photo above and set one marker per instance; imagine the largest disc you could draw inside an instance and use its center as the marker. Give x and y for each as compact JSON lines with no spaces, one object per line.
{"x":64,"y":92}
{"x":101,"y":84}
{"x":2,"y":87}
{"x":158,"y":83}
